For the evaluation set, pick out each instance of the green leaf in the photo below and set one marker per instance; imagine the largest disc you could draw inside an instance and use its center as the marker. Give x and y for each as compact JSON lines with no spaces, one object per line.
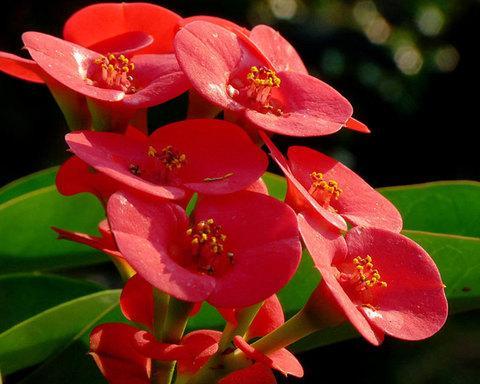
{"x":28,"y":183}
{"x":32,"y":341}
{"x":458,"y":259}
{"x":71,"y":364}
{"x":25,"y":295}
{"x":29,"y":244}
{"x":449,"y":207}
{"x":276,"y":185}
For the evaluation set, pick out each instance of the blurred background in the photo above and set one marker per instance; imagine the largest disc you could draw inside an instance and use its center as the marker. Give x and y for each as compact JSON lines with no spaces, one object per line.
{"x":407,"y":66}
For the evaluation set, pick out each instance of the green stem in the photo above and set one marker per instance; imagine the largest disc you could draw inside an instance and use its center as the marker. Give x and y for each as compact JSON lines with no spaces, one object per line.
{"x":174,"y":325}
{"x":160,"y":369}
{"x":296,"y":328}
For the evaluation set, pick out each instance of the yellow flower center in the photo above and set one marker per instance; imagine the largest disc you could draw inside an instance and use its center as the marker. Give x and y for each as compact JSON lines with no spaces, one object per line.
{"x":322,"y":190}
{"x":117,"y":72}
{"x":366,"y":275}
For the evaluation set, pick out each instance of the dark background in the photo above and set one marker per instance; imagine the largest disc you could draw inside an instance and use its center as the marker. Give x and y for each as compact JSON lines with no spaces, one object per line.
{"x":409,"y":69}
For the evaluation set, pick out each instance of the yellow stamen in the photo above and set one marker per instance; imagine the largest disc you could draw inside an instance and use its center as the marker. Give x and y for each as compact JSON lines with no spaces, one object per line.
{"x":366,"y":277}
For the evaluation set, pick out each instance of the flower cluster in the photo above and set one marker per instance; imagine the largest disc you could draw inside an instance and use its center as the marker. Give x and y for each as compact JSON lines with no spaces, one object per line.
{"x":189,"y":219}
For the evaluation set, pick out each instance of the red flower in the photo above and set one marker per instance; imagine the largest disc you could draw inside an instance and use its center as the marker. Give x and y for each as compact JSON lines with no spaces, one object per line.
{"x":281,"y":360}
{"x":123,"y":353}
{"x":137,"y":82}
{"x":104,"y":243}
{"x":207,"y":156}
{"x":231,"y":72}
{"x":381,"y":281}
{"x":76,"y":176}
{"x":238,"y":250}
{"x":102,"y":27}
{"x":334,"y":192}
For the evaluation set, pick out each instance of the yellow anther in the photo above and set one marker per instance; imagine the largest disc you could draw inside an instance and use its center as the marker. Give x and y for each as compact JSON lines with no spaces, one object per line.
{"x":111,"y":57}
{"x":171,"y":158}
{"x":125,"y":69}
{"x":365,"y":276}
{"x":111,"y":68}
{"x":320,"y":185}
{"x":189,"y":231}
{"x":195,"y":241}
{"x":152,"y":152}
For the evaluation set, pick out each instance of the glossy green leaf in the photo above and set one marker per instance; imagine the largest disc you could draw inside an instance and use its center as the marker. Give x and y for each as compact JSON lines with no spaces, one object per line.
{"x":48,"y":333}
{"x":449,"y":207}
{"x":276,"y":185}
{"x":28,"y":183}
{"x":25,"y":295}
{"x":29,"y":244}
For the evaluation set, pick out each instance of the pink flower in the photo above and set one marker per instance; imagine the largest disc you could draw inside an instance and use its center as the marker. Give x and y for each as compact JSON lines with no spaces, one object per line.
{"x":231,"y":72}
{"x":381,"y":281}
{"x":207,"y":156}
{"x":325,"y":186}
{"x":236,"y":250}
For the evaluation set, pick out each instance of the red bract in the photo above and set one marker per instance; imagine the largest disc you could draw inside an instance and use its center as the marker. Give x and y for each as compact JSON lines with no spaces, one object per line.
{"x":281,"y":360}
{"x":138,"y":82}
{"x":76,"y":176}
{"x":231,"y":72}
{"x":269,"y":317}
{"x":102,"y":25}
{"x":119,"y":365}
{"x":207,"y":156}
{"x":284,"y":57}
{"x":123,"y":353}
{"x":137,"y":302}
{"x":104,"y":243}
{"x":381,"y":281}
{"x":237,"y":250}
{"x":318,"y":182}
{"x":254,"y":374}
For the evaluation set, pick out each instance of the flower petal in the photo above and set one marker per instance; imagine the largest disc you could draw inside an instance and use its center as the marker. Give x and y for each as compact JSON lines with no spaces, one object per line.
{"x":413,"y":305}
{"x":281,"y":360}
{"x":263,"y":236}
{"x":220,"y":157}
{"x":128,"y":43}
{"x":269,"y":317}
{"x":359,"y":203}
{"x":99,"y":22}
{"x":309,"y":107}
{"x":254,"y":374}
{"x":136,"y":301}
{"x":356,"y":125}
{"x":201,"y":345}
{"x":67,"y":63}
{"x":279,"y":51}
{"x":158,"y":79}
{"x":325,"y":247}
{"x":113,"y":154}
{"x":112,"y":347}
{"x":21,"y":68}
{"x":147,"y":234}
{"x":209,"y":54}
{"x":297,"y":196}
{"x":76,"y":176}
